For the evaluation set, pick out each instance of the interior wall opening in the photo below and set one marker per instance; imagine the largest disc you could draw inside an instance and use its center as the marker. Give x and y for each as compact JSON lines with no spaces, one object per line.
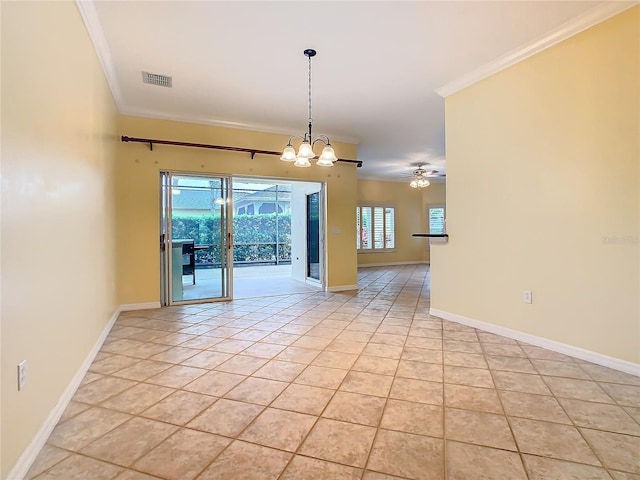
{"x":223,"y":238}
{"x":278,"y":237}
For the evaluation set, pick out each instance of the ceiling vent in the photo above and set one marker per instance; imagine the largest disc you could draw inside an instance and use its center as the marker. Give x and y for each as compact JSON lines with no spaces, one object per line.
{"x":156,"y":79}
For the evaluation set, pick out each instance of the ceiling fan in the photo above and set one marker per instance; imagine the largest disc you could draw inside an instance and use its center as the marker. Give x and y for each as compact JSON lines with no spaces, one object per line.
{"x":420,"y":176}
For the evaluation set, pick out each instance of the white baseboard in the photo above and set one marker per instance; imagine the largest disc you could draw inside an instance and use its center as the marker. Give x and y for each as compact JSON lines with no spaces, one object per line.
{"x":391,"y":264}
{"x":31,"y":452}
{"x":577,"y":352}
{"x":342,"y":288}
{"x":127,"y":307}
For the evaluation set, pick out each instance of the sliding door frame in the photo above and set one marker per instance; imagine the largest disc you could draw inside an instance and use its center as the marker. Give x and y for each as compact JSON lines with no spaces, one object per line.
{"x":166,"y":241}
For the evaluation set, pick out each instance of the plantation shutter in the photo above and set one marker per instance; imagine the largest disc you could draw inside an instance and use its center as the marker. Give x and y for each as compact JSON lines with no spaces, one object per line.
{"x":366,"y":227}
{"x":378,"y":227}
{"x":358,"y":228}
{"x":375,"y":228}
{"x":390,"y":228}
{"x":436,"y":220}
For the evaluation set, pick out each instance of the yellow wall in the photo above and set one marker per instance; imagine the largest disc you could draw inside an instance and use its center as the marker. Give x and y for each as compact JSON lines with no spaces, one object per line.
{"x":138,"y":194}
{"x":58,"y":216}
{"x":410,"y":217}
{"x":543,"y":194}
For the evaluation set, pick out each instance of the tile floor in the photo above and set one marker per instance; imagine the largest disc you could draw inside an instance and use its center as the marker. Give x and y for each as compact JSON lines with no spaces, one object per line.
{"x":355,"y":385}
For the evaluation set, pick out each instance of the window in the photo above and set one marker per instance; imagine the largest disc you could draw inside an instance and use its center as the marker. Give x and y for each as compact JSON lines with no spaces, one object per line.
{"x":376,"y":228}
{"x":436,"y":219}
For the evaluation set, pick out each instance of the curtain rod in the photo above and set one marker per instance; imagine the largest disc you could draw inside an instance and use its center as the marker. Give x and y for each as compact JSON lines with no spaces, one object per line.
{"x":252,"y":151}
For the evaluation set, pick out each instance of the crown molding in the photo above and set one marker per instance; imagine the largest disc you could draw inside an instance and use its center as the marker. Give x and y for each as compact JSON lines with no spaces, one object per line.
{"x":92,"y":23}
{"x":254,"y":127}
{"x":567,"y":30}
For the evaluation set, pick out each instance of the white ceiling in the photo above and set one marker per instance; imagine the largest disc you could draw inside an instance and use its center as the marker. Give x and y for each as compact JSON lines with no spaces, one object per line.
{"x":375,"y":75}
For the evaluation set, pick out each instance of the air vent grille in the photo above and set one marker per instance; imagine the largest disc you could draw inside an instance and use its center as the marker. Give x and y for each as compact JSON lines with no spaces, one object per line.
{"x":157,"y":79}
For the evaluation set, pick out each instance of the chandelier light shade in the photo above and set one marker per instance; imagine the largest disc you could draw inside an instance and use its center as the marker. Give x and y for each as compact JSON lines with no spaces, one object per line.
{"x":327,"y":157}
{"x":289,"y":154}
{"x":419,"y":179}
{"x":305,"y":151}
{"x":302,"y":162}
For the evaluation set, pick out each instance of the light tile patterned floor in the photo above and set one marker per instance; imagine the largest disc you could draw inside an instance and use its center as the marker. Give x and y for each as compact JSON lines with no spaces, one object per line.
{"x":356,"y":385}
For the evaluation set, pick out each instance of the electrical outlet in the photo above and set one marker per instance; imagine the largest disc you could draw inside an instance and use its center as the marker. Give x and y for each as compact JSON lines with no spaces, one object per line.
{"x":526,"y":296}
{"x":22,"y":374}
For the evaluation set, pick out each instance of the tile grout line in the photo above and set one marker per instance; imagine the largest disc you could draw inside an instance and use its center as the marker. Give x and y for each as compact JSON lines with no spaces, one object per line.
{"x":293,"y":454}
{"x":319,"y":416}
{"x":591,"y":448}
{"x":338,"y":388}
{"x":140,"y":360}
{"x":445,"y":448}
{"x":386,"y":402}
{"x":399,"y":293}
{"x":504,"y":412}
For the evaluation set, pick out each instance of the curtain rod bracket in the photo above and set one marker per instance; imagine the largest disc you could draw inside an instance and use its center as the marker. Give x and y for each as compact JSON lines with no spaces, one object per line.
{"x":253,"y":154}
{"x":151,"y":146}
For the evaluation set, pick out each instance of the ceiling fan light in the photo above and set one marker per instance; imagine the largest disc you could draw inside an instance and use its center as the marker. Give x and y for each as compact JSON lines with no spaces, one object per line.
{"x":288,"y":154}
{"x":306,"y":151}
{"x":423,"y":182}
{"x":302,"y":162}
{"x":414,"y":183}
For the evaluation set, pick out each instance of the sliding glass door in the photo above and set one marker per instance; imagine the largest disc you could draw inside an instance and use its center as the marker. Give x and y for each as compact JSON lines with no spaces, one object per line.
{"x":195,"y":238}
{"x":313,"y":236}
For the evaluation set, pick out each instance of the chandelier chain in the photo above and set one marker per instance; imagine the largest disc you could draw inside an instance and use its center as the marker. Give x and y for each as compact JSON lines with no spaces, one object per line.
{"x":305,"y":153}
{"x":310,"y":118}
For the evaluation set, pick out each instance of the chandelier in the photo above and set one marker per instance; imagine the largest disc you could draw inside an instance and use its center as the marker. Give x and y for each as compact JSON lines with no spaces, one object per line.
{"x":419,"y":179}
{"x":305,"y":152}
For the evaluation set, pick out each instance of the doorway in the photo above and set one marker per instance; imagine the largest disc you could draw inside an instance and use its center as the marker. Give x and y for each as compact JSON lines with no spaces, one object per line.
{"x":224,"y":238}
{"x":272,"y":237}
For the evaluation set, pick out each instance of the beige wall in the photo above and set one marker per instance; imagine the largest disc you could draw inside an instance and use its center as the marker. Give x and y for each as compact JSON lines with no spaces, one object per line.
{"x":138,"y":194}
{"x":543,"y":194}
{"x":411,"y":217}
{"x":58,"y":216}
